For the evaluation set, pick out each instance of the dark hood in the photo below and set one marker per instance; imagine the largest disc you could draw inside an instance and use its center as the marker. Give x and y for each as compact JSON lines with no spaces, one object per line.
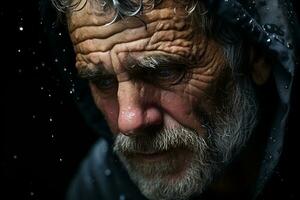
{"x":272,"y":25}
{"x":269,"y":24}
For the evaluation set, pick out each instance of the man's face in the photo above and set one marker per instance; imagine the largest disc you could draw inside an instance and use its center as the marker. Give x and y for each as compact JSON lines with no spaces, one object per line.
{"x":160,"y":89}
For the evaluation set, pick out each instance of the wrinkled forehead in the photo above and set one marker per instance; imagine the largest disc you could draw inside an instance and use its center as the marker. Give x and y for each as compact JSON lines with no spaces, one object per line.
{"x":106,"y":12}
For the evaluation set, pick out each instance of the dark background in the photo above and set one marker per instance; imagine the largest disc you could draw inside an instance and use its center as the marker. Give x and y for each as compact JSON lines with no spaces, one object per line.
{"x":45,"y":136}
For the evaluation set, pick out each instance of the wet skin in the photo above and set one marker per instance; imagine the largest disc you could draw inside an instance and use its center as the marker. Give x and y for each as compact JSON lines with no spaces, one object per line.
{"x":134,"y":98}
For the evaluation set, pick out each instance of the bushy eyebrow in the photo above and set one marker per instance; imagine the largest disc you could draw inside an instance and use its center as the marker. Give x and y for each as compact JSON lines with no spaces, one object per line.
{"x":156,"y":61}
{"x":145,"y":63}
{"x":93,"y":73}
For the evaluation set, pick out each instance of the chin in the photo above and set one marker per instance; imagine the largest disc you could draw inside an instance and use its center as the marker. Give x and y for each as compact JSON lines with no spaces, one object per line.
{"x":169,"y":178}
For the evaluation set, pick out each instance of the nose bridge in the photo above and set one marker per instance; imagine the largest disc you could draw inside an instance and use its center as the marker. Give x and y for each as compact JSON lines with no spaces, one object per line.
{"x":134,"y":113}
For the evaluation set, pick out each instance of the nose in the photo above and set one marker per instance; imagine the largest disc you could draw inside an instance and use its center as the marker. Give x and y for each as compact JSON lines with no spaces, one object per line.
{"x":137,"y":110}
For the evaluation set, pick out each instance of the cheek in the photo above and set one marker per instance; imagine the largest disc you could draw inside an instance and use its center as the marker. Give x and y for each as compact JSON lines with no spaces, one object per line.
{"x":182,"y":109}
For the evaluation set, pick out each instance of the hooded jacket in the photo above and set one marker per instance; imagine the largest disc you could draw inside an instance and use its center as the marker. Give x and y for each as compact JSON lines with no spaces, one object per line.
{"x":270,"y":24}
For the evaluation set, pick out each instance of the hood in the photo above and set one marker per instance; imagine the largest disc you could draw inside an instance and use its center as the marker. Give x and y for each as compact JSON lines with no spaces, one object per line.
{"x":270,"y":24}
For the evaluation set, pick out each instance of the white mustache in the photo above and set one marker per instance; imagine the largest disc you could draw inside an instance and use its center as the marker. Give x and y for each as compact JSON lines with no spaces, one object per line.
{"x":163,"y":140}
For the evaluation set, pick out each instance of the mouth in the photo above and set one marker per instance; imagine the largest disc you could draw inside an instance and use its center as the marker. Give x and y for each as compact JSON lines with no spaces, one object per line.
{"x":152,"y":157}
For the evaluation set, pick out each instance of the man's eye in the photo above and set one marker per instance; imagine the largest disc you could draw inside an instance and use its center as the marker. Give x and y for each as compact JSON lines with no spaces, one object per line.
{"x":105,"y":83}
{"x":168,"y":76}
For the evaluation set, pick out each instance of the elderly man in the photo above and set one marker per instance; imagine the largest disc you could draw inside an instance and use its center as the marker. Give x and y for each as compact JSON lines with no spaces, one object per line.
{"x":179,"y":84}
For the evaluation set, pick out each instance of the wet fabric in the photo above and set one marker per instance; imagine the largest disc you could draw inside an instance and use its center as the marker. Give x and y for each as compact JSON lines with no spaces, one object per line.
{"x":273,"y":25}
{"x":270,"y":24}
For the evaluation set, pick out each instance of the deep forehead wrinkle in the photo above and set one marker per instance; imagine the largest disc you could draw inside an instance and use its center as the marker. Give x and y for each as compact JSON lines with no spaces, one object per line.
{"x":133,"y":65}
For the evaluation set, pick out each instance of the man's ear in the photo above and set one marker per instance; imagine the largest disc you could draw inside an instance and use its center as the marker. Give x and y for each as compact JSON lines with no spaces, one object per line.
{"x":261,"y":68}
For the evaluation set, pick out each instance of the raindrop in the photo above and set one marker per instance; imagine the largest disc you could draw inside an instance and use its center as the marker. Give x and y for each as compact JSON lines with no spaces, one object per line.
{"x":15,"y":157}
{"x":49,"y":95}
{"x":59,"y":34}
{"x":20,"y":71}
{"x":56,"y":60}
{"x":122,"y":197}
{"x":31,"y":193}
{"x":270,"y":157}
{"x":65,"y":69}
{"x":43,"y":64}
{"x":21,"y":28}
{"x":63,"y":50}
{"x":33,"y":116}
{"x":60,"y":159}
{"x":107,"y":172}
{"x":71,"y":92}
{"x":42,"y":88}
{"x":289,"y":45}
{"x":52,"y":136}
{"x":19,"y":50}
{"x":36,"y":67}
{"x":286,"y":87}
{"x":272,"y":28}
{"x":50,"y":119}
{"x":268,"y":40}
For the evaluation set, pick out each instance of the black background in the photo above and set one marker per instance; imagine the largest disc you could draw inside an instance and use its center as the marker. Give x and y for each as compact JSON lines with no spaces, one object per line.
{"x":45,"y":136}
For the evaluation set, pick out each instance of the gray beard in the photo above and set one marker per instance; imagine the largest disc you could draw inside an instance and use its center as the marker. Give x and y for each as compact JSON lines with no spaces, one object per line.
{"x":226,"y":134}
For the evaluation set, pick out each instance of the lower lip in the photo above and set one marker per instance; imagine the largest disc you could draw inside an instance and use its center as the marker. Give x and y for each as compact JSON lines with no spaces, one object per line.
{"x":154,"y":157}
